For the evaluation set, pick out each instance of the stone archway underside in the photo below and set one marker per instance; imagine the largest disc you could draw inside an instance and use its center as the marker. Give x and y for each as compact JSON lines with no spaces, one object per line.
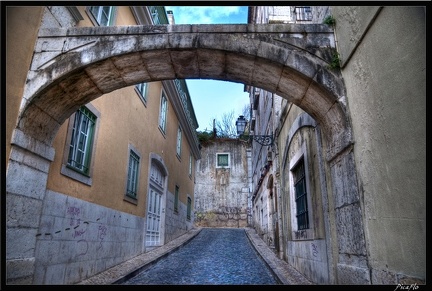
{"x":73,"y":66}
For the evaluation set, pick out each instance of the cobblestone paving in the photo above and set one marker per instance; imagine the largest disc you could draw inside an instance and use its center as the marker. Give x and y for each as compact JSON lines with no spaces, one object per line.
{"x":220,"y":256}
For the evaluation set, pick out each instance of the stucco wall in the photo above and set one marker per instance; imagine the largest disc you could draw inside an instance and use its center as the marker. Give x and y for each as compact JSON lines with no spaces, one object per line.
{"x":125,"y":120}
{"x":386,"y":93}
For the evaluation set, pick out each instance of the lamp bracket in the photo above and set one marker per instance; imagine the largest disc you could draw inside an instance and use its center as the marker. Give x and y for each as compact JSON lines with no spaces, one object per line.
{"x":264,"y":140}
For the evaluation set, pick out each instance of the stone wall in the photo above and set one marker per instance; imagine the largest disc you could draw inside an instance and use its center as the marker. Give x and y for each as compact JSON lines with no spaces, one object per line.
{"x":77,"y":239}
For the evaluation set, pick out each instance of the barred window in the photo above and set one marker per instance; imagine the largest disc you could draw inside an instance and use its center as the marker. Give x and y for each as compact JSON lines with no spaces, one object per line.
{"x":301,"y":195}
{"x":132,"y":176}
{"x":80,"y":148}
{"x":303,"y":13}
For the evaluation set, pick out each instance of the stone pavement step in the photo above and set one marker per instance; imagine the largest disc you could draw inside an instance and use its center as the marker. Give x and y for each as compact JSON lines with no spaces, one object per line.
{"x":286,"y":274}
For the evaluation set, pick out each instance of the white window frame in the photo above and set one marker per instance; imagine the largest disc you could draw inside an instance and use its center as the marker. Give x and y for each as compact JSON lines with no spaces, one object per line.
{"x":66,"y":168}
{"x":132,"y":151}
{"x":141,"y":89}
{"x":97,"y":12}
{"x":305,"y":234}
{"x":179,"y":142}
{"x":217,"y":160}
{"x":163,"y":110}
{"x":190,"y":165}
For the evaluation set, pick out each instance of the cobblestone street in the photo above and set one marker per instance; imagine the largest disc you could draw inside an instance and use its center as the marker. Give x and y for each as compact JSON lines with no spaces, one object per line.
{"x":214,"y":257}
{"x":122,"y":273}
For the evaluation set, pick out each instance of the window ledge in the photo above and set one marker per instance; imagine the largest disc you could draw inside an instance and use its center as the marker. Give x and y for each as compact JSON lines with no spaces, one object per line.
{"x":130,"y":200}
{"x":75,"y":175}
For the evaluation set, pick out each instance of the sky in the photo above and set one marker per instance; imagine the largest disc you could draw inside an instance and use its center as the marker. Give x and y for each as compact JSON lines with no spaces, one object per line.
{"x":212,"y":99}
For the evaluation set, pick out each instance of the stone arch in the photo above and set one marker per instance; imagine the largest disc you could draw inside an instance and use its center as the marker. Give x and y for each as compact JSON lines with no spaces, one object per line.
{"x":98,"y":61}
{"x":58,"y":87}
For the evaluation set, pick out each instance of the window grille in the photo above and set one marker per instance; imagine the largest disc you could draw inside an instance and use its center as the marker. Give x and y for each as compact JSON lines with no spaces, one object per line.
{"x":301,"y":196}
{"x":303,"y":13}
{"x":132,"y":178}
{"x":80,"y":148}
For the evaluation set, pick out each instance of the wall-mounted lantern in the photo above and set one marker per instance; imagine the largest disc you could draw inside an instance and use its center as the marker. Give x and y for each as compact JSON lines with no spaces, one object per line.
{"x":265,"y":140}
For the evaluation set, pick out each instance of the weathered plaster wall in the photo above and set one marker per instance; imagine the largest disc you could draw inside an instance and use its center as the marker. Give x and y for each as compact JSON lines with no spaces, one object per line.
{"x":221,"y":194}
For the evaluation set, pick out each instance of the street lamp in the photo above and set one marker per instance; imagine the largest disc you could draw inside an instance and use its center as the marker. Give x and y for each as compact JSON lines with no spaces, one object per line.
{"x":264,"y":140}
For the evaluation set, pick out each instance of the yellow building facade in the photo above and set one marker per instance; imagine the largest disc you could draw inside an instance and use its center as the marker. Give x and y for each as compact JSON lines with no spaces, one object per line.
{"x":123,"y":168}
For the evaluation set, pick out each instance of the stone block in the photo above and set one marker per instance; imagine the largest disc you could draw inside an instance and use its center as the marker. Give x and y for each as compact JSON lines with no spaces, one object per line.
{"x":350,"y":275}
{"x":55,"y":274}
{"x":383,"y":277}
{"x":20,"y":243}
{"x":349,"y":224}
{"x":20,"y":271}
{"x":33,"y":145}
{"x":22,"y":211}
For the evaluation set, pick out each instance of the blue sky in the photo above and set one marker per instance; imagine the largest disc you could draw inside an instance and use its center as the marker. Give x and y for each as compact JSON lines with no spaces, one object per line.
{"x":210,"y":98}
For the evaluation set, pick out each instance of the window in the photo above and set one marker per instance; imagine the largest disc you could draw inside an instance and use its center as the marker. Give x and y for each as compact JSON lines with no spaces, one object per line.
{"x":176,"y":199}
{"x":103,"y":15}
{"x":303,"y":13}
{"x":80,"y":148}
{"x":190,"y":165}
{"x":80,"y":144}
{"x":189,"y":208}
{"x":222,"y":160}
{"x":179,"y":141}
{"x":300,"y":195}
{"x":132,"y":175}
{"x":142,"y":91}
{"x":163,"y":112}
{"x":156,"y":14}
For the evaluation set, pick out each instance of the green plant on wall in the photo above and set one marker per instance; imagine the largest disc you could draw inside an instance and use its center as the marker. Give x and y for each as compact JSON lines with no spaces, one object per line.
{"x":330,"y":20}
{"x":335,"y":61}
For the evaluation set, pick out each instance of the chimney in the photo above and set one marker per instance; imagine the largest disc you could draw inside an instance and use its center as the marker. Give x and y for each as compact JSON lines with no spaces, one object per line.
{"x":170,"y":17}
